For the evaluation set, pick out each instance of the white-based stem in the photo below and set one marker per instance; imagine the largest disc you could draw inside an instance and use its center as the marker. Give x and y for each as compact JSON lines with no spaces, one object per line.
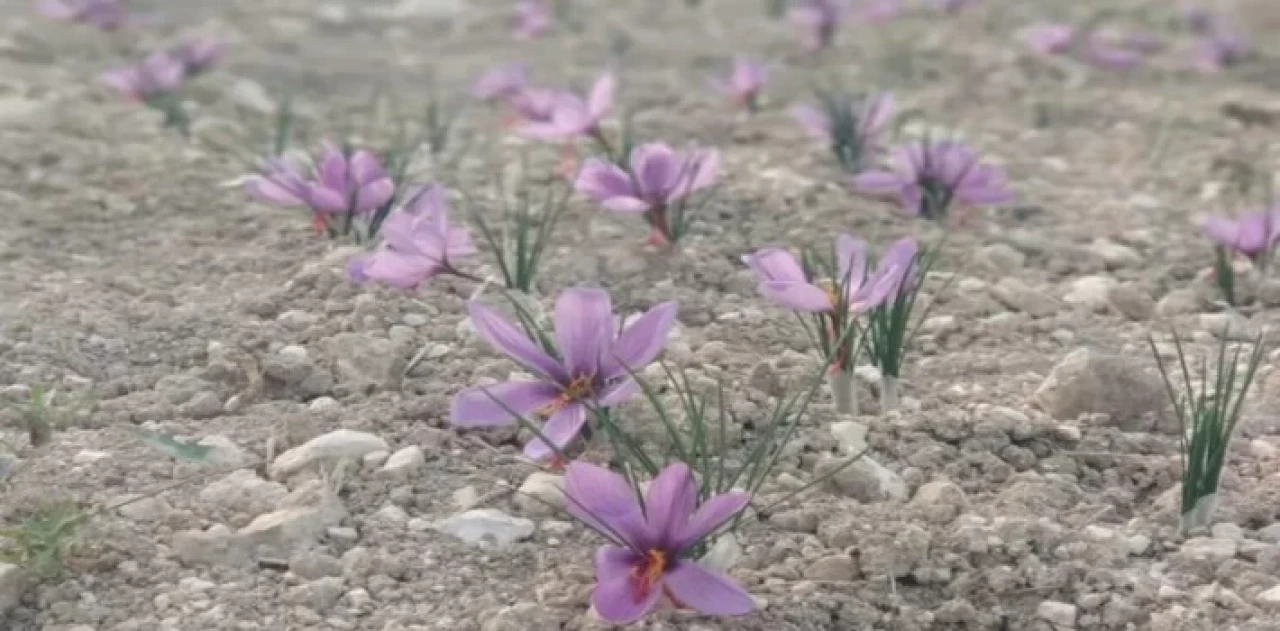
{"x":843,"y":392}
{"x":890,"y":393}
{"x":1201,"y":514}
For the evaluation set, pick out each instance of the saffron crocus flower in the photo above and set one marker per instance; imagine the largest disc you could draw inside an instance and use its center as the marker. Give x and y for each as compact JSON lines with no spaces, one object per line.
{"x":199,"y":54}
{"x":1049,"y":39}
{"x":533,"y":18}
{"x":571,"y":115}
{"x":418,"y":244}
{"x":656,"y":180}
{"x":501,"y":82}
{"x":929,"y":177}
{"x":820,"y":19}
{"x":589,"y":367}
{"x":851,"y":128}
{"x":157,"y":75}
{"x":1222,"y":48}
{"x":650,"y":544}
{"x":107,"y":15}
{"x":1251,"y":234}
{"x":744,"y":82}
{"x":852,"y":290}
{"x":354,"y":184}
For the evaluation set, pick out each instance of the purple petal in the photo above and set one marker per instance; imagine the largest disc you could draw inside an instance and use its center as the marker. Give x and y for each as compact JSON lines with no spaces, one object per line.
{"x":710,"y":516}
{"x":374,"y":195}
{"x":617,"y":393}
{"x":501,"y":81}
{"x":267,"y":190}
{"x":600,"y":181}
{"x":798,"y":296}
{"x":709,"y":592}
{"x":604,"y":502}
{"x":656,"y":170}
{"x":600,"y":100}
{"x":365,"y":168}
{"x":476,"y":407}
{"x":702,"y":168}
{"x":775,"y":264}
{"x":851,"y":260}
{"x":880,"y":183}
{"x":57,"y":9}
{"x":1049,"y":39}
{"x":877,"y":113}
{"x":669,"y":503}
{"x":641,"y":342}
{"x":985,"y":186}
{"x":397,"y":269}
{"x":615,"y":598}
{"x":508,"y":339}
{"x":626,"y":205}
{"x":333,"y":171}
{"x":560,"y":429}
{"x":584,"y":329}
{"x":430,"y":202}
{"x":814,"y":121}
{"x":326,"y":200}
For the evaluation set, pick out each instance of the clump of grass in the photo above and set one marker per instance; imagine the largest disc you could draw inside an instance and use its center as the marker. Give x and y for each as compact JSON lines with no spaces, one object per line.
{"x":42,"y":543}
{"x":41,"y":414}
{"x":529,"y":221}
{"x":1208,"y":411}
{"x":891,"y":327}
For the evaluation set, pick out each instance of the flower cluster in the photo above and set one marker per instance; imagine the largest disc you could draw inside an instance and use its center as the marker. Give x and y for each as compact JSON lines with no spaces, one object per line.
{"x":346,"y":185}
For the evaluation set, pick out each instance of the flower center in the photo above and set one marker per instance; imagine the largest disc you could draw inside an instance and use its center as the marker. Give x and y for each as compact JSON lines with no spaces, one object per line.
{"x":578,"y":389}
{"x":935,"y":196}
{"x":829,"y":287}
{"x":647,"y":572}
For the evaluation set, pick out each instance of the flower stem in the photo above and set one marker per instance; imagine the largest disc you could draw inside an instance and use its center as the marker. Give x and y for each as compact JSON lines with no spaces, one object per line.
{"x":890,"y":393}
{"x":844,"y":392}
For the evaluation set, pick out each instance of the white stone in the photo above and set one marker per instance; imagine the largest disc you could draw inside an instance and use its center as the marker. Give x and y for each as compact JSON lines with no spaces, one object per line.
{"x":541,"y":494}
{"x":89,"y":456}
{"x":1090,"y":292}
{"x":1059,"y":614}
{"x":1270,"y":599}
{"x":851,"y":435}
{"x":487,"y":527}
{"x":13,"y":584}
{"x":336,"y":445}
{"x":404,"y":462}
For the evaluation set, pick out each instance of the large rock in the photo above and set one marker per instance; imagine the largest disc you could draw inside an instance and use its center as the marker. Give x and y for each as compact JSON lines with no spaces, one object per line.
{"x":242,"y":491}
{"x":865,"y":480}
{"x":1016,"y":295}
{"x":363,"y":363}
{"x":1090,"y":381}
{"x":303,"y":517}
{"x":13,"y":583}
{"x":342,"y":444}
{"x":487,"y":527}
{"x":541,"y":494}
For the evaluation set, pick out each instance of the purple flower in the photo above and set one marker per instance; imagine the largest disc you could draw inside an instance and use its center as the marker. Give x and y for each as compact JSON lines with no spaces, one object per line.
{"x":928,"y":177}
{"x":1049,"y":39}
{"x":107,"y":15}
{"x":878,"y":11}
{"x":154,"y":76}
{"x":1198,"y":19}
{"x":744,"y":82}
{"x":418,"y":243}
{"x":819,"y":18}
{"x":1222,"y":48}
{"x":655,"y":178}
{"x":651,"y":543}
{"x":343,"y":184}
{"x":1250,"y":234}
{"x":571,"y":115}
{"x":533,"y":18}
{"x":501,"y":82}
{"x":851,"y":128}
{"x":199,"y":54}
{"x":784,"y":281}
{"x":590,"y":369}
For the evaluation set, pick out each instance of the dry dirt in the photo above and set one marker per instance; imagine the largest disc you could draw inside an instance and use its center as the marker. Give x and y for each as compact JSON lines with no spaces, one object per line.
{"x":131,"y":272}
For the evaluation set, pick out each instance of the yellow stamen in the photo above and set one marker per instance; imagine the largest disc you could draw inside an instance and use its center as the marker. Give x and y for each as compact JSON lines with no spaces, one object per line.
{"x":647,"y":572}
{"x":577,"y":390}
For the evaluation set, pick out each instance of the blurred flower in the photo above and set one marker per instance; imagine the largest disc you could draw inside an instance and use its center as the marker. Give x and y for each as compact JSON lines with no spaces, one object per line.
{"x":199,"y":54}
{"x":533,"y":18}
{"x":656,"y":178}
{"x":1105,"y":49}
{"x":850,"y":127}
{"x":418,"y":243}
{"x":104,"y":14}
{"x":501,"y":82}
{"x":1251,"y":234}
{"x":745,"y":82}
{"x":590,"y":367}
{"x":159,"y":74}
{"x":569,"y":115}
{"x":1221,"y":48}
{"x":929,"y":177}
{"x":784,"y":281}
{"x":1198,"y":19}
{"x":343,"y":184}
{"x":877,"y":11}
{"x":819,"y":18}
{"x":651,"y":543}
{"x":1049,"y":39}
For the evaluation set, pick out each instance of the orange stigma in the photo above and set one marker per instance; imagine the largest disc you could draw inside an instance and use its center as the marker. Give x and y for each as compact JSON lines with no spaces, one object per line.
{"x":578,"y":389}
{"x":647,"y":572}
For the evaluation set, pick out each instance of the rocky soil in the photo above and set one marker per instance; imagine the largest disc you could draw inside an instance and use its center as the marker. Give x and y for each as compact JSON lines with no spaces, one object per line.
{"x":1029,"y":482}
